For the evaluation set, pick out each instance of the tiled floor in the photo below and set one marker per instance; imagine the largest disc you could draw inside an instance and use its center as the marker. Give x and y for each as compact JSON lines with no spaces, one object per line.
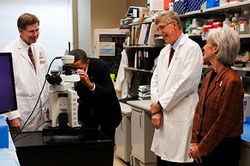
{"x":118,"y":162}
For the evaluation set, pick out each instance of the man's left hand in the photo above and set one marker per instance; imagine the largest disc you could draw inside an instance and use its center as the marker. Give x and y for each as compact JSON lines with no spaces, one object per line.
{"x":157,"y":120}
{"x":155,"y":108}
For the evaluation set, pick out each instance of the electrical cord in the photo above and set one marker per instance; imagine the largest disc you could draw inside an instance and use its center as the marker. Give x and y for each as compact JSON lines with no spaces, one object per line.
{"x":37,"y":99}
{"x":30,"y":132}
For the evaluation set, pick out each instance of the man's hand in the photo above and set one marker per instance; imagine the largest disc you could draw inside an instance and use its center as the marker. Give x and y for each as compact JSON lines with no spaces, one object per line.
{"x":85,"y":78}
{"x":157,"y":120}
{"x":195,"y":153}
{"x":15,"y":125}
{"x":155,"y":108}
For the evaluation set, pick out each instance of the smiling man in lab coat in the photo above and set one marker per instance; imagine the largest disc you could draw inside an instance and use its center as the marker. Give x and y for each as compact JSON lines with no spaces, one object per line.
{"x":30,"y":67}
{"x":174,"y":92}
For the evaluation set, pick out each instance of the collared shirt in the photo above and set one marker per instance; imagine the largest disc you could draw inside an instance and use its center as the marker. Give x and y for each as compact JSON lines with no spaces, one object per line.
{"x":177,"y":42}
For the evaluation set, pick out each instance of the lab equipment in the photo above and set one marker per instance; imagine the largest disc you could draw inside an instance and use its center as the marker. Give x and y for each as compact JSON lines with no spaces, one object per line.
{"x":63,"y":111}
{"x":7,"y":84}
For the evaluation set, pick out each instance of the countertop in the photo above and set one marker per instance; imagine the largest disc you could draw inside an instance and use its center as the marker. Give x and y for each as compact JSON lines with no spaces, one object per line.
{"x":141,"y":104}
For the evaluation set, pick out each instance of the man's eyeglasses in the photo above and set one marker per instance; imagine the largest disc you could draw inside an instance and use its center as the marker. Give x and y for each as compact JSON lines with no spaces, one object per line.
{"x":164,"y":26}
{"x":33,"y":31}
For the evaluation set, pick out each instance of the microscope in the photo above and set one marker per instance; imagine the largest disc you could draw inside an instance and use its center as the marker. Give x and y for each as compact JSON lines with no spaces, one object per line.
{"x":63,"y":109}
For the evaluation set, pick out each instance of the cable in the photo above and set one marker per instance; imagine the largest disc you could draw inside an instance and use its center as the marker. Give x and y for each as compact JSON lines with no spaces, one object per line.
{"x":30,"y":132}
{"x":39,"y":111}
{"x":37,"y":99}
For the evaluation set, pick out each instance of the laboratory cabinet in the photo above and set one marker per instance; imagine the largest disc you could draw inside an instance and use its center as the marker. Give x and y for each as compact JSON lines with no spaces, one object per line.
{"x":123,"y":134}
{"x":141,"y":134}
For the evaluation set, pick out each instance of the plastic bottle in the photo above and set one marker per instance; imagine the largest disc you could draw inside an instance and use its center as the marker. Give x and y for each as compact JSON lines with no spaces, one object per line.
{"x":247,"y":15}
{"x":235,"y":24}
{"x":243,"y":23}
{"x":187,"y":27}
{"x":226,"y":23}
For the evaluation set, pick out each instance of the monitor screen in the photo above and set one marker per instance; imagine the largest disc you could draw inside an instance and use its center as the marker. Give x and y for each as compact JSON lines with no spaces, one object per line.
{"x":7,"y":84}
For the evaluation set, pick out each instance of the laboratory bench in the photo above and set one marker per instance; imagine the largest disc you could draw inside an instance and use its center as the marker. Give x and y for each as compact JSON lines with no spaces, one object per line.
{"x":91,"y":149}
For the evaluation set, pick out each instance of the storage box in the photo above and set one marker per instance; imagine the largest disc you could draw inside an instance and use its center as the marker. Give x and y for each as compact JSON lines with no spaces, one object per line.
{"x":180,"y":6}
{"x":212,"y":3}
{"x":166,"y":4}
{"x":246,"y":106}
{"x":194,"y":5}
{"x":4,"y":133}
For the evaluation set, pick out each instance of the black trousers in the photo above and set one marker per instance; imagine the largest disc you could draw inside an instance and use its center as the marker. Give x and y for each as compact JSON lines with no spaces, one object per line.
{"x":168,"y":163}
{"x":226,"y":153}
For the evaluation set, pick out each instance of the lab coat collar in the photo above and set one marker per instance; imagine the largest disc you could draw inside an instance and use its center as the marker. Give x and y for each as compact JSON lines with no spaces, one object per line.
{"x":183,"y":39}
{"x":22,"y":44}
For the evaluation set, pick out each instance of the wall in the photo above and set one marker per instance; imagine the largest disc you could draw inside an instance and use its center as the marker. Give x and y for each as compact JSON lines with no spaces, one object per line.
{"x":83,"y":27}
{"x":141,"y":3}
{"x":106,"y":14}
{"x":101,"y":15}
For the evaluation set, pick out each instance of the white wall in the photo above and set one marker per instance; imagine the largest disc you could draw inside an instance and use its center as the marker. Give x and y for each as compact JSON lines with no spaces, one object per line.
{"x":55,"y":23}
{"x":84,"y":26}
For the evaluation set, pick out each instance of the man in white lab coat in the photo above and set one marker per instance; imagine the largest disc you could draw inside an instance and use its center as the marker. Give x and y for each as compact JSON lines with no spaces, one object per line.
{"x":174,"y":92}
{"x":30,"y":67}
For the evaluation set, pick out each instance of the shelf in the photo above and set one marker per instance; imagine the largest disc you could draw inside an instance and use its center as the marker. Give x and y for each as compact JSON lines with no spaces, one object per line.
{"x":226,"y":8}
{"x":190,"y":14}
{"x":245,"y":69}
{"x":138,"y":23}
{"x":242,"y":36}
{"x":220,"y":9}
{"x":143,"y":46}
{"x":139,"y":70}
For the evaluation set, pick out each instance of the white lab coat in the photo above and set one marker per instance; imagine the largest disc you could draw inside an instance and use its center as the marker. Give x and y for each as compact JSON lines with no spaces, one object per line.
{"x":28,"y":82}
{"x":176,"y":88}
{"x":123,"y":77}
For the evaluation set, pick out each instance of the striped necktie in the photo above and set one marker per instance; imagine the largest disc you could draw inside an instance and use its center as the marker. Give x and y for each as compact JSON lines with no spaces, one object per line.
{"x":30,"y":53}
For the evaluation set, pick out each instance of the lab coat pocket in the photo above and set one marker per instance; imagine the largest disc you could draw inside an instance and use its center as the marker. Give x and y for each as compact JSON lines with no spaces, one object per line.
{"x":182,"y":111}
{"x":26,"y":106}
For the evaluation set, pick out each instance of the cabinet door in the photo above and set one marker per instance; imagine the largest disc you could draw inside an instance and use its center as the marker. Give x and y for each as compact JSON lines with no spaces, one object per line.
{"x":142,"y":135}
{"x":137,"y":134}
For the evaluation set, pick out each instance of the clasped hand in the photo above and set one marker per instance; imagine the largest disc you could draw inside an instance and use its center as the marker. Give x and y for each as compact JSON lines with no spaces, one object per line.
{"x":157,"y":115}
{"x":195,"y":153}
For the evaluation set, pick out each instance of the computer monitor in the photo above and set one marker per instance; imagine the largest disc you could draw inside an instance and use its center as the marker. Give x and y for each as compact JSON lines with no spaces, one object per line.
{"x":7,"y":84}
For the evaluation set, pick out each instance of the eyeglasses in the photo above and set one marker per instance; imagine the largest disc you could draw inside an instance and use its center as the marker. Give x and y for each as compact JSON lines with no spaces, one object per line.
{"x":33,"y":31}
{"x":164,"y":26}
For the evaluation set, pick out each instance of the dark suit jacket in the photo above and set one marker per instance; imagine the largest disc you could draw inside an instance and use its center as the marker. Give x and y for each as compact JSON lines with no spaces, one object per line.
{"x":102,"y":105}
{"x":219,"y":113}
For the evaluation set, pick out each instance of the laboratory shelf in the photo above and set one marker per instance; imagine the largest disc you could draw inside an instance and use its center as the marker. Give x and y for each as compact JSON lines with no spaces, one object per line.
{"x":191,"y":14}
{"x":231,"y":7}
{"x":233,"y":67}
{"x":139,"y":70}
{"x":143,"y":46}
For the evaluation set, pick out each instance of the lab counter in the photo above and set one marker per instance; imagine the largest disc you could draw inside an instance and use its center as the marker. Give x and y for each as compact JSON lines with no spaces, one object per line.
{"x":141,"y":104}
{"x":92,"y":149}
